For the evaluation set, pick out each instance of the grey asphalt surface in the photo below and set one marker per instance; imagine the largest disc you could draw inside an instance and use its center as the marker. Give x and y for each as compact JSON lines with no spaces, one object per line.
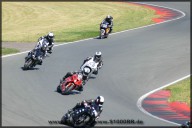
{"x":135,"y":62}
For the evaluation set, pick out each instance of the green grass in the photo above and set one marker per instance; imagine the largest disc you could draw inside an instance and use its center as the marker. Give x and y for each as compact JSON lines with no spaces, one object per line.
{"x":180,"y":91}
{"x":70,"y":21}
{"x":6,"y":51}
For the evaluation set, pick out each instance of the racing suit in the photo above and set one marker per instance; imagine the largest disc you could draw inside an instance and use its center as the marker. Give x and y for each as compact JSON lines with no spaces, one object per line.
{"x":91,"y":103}
{"x":51,"y":43}
{"x":110,"y":21}
{"x":100,"y":63}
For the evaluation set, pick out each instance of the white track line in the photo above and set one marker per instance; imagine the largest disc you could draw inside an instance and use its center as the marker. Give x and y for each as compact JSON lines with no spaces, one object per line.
{"x":183,"y":14}
{"x":140,"y":100}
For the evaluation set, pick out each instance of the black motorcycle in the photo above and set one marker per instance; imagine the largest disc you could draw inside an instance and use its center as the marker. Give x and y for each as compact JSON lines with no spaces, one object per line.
{"x":32,"y":59}
{"x":81,"y":117}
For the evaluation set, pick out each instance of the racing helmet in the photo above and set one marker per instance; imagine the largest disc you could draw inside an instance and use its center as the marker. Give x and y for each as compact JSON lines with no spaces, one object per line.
{"x":108,"y":18}
{"x":97,"y":56}
{"x":86,"y":71}
{"x":99,"y":101}
{"x":50,"y":35}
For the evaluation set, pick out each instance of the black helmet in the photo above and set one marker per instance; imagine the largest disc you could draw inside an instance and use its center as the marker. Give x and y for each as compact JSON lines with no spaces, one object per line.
{"x":99,"y":101}
{"x":97,"y":56}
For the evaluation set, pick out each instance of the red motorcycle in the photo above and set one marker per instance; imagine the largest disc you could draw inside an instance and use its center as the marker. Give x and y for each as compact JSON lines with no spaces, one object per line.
{"x":70,"y":83}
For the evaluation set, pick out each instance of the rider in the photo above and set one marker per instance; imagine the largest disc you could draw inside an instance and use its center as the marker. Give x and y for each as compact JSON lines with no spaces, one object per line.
{"x":97,"y":58}
{"x":108,"y":19}
{"x":50,"y":39}
{"x":96,"y":103}
{"x":40,"y":49}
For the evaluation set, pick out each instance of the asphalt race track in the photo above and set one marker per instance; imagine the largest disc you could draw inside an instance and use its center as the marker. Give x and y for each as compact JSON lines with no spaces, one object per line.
{"x":135,"y":62}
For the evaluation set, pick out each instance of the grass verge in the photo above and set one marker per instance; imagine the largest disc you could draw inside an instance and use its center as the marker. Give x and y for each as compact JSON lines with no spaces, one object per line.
{"x":69,"y":21}
{"x":6,"y":51}
{"x":180,"y":91}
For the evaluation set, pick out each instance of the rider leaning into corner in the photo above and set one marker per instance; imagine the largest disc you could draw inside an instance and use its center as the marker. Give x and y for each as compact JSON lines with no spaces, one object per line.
{"x":96,"y":103}
{"x":97,"y":58}
{"x":50,"y":39}
{"x":108,"y":19}
{"x":40,"y":49}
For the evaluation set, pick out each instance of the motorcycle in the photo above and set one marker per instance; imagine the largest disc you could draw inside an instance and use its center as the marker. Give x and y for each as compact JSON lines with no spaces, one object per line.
{"x":104,"y":30}
{"x":91,"y":67}
{"x":80,"y":117}
{"x":32,"y":59}
{"x":70,"y":83}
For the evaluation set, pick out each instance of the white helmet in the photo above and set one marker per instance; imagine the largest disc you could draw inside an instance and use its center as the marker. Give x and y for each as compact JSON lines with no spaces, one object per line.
{"x":86,"y":71}
{"x":50,"y":35}
{"x":97,"y":56}
{"x":99,"y":101}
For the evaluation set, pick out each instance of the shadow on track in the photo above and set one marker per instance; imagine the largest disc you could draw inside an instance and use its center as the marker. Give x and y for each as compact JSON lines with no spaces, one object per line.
{"x":29,"y":69}
{"x":73,"y":92}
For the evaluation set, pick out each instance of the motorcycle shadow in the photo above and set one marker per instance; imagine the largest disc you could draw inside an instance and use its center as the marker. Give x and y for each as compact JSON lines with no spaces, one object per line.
{"x":73,"y":92}
{"x":92,"y":77}
{"x":29,"y":69}
{"x":97,"y":37}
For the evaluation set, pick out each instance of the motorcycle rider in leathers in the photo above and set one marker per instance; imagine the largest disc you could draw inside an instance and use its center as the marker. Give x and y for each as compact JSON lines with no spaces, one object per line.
{"x":108,"y":19}
{"x":96,"y":103}
{"x":50,"y":39}
{"x":97,"y":58}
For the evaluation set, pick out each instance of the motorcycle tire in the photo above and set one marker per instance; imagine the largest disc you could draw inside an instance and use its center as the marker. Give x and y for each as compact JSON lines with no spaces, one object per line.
{"x":58,"y":89}
{"x":27,"y":64}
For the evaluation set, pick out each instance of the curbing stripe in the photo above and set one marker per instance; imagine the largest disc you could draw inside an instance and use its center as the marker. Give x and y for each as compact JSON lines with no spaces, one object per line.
{"x":140,"y":100}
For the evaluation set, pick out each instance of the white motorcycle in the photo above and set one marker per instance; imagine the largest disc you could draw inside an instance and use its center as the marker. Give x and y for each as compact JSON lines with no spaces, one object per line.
{"x":91,"y":67}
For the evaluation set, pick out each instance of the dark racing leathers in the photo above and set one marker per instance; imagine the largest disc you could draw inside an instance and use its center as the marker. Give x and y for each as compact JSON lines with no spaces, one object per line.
{"x":92,"y":104}
{"x":110,"y":24}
